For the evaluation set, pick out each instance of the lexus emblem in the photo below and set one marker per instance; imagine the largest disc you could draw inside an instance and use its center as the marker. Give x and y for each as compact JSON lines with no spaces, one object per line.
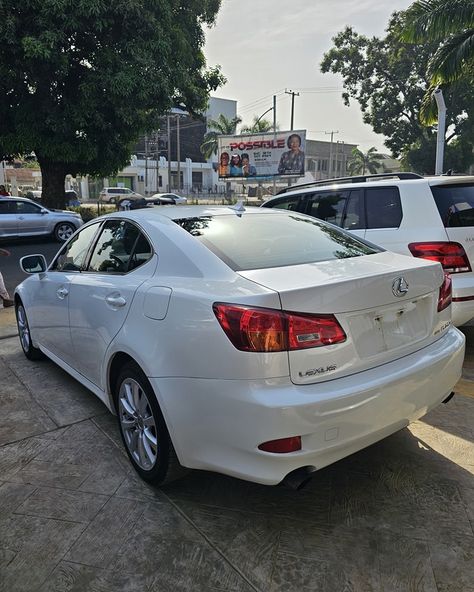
{"x":400,"y":287}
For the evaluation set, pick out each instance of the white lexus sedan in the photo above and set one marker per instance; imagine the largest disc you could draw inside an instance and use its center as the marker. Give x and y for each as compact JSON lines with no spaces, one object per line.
{"x":263,"y":344}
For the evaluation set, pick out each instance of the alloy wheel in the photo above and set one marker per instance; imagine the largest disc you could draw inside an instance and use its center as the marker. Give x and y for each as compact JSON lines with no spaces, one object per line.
{"x":23,"y":329}
{"x":138,"y":424}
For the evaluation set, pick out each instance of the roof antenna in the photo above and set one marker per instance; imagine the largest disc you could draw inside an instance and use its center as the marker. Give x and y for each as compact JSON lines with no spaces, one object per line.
{"x":238,"y":208}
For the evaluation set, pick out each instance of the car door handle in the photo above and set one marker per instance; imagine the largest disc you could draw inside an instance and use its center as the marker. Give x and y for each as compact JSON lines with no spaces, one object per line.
{"x":62,"y":293}
{"x":116,"y":301}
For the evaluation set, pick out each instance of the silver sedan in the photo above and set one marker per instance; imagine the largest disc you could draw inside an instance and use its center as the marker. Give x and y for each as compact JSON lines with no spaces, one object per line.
{"x":21,"y":217}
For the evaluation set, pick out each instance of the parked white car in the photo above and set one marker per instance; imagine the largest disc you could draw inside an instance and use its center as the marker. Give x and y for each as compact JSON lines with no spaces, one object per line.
{"x":114,"y":194}
{"x":21,"y":217}
{"x":258,"y":343}
{"x":430,"y":217}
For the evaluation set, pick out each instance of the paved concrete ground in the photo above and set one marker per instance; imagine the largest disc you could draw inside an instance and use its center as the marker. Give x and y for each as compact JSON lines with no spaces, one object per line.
{"x":398,"y":516}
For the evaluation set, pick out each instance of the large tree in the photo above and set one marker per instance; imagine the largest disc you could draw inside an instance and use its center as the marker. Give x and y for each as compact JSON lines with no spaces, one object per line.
{"x":451,"y":25}
{"x":81,"y":80}
{"x":387,"y":77}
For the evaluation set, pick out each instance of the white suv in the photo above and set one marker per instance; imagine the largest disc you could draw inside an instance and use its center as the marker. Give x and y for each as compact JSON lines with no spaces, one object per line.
{"x":114,"y":194}
{"x":428,"y":217}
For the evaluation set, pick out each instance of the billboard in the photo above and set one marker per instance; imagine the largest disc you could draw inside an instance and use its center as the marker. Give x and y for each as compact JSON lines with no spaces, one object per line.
{"x":262,"y":155}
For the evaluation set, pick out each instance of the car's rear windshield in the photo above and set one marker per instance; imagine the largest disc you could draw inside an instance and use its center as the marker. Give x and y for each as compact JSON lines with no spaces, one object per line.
{"x":455,"y":204}
{"x":260,"y":241}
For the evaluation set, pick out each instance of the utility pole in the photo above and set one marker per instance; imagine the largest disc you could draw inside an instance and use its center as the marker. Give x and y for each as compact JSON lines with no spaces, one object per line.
{"x":169,"y":151}
{"x":330,"y":151}
{"x":178,"y":150}
{"x":293,"y":95}
{"x":157,"y":139}
{"x":274,"y":134}
{"x":146,"y":163}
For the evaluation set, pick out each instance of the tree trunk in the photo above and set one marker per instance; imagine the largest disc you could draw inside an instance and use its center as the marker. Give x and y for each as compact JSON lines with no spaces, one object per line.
{"x":53,"y":176}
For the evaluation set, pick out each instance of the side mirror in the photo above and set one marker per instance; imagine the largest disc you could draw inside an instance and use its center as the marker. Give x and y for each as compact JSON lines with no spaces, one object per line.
{"x":33,"y":264}
{"x":43,"y":212}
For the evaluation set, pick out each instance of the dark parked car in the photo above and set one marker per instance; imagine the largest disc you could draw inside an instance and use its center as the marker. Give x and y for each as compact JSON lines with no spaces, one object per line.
{"x":129,"y":203}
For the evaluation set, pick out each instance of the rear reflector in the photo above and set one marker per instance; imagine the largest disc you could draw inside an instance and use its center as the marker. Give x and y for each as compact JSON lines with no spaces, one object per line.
{"x":445,"y":293}
{"x":452,"y":256}
{"x":282,"y":446}
{"x":269,"y":330}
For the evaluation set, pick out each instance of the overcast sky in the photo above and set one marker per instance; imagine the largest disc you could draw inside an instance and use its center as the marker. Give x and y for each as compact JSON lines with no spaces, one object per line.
{"x":267,"y":46}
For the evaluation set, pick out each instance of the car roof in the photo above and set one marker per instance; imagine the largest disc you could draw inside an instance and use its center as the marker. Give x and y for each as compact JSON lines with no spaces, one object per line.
{"x":182,"y":211}
{"x":16,"y":197}
{"x":333,"y":184}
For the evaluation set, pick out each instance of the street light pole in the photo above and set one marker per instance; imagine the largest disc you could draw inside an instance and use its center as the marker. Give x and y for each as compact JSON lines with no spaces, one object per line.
{"x":438,"y":95}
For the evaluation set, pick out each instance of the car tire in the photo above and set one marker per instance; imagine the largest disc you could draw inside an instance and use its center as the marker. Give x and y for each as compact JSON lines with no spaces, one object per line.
{"x":31,"y":352}
{"x":143,"y":428}
{"x":63,"y":231}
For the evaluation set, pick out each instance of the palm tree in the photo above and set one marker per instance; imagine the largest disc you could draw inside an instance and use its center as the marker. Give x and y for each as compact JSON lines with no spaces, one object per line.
{"x":361,"y":163}
{"x":222,"y":126}
{"x":451,"y":24}
{"x":258,"y":126}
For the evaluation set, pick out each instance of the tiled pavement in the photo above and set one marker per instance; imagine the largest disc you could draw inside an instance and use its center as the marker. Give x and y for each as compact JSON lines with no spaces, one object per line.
{"x":398,"y":516}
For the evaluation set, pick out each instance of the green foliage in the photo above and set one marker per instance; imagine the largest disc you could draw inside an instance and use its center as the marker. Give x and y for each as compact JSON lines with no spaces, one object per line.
{"x":80,"y":81}
{"x":451,"y":26}
{"x":258,"y":126}
{"x":387,"y":77}
{"x":362,"y":163}
{"x":220,"y":126}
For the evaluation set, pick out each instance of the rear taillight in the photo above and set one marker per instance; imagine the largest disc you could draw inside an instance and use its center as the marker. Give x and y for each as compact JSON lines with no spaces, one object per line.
{"x":452,"y":256}
{"x":268,"y":330}
{"x":445,"y":293}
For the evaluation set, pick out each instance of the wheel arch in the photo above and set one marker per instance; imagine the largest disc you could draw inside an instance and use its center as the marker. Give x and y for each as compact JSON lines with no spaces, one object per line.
{"x":117,"y":362}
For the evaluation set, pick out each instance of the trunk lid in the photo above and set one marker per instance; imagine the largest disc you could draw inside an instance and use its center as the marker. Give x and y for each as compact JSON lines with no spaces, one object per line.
{"x":362,"y":293}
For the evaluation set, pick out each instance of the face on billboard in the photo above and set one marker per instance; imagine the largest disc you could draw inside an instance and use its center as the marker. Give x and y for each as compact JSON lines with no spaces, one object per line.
{"x":262,"y":155}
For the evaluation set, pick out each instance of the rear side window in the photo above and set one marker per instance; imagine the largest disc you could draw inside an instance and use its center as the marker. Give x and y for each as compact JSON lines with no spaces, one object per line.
{"x":455,"y":204}
{"x":6,"y":207}
{"x":383,"y":207}
{"x":260,"y":241}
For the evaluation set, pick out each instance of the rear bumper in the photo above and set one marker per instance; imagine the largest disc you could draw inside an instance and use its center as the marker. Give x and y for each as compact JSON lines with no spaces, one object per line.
{"x":218,"y":424}
{"x":463,"y":288}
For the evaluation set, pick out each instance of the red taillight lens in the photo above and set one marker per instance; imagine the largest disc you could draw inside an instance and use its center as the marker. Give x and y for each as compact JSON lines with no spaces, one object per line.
{"x":452,"y":256}
{"x":268,"y":330}
{"x":282,"y":446}
{"x":445,"y":293}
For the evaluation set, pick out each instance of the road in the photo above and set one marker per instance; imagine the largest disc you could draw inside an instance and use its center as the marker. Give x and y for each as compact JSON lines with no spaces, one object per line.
{"x":10,"y":266}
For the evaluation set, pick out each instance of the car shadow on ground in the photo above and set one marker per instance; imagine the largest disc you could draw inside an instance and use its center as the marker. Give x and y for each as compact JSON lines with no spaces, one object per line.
{"x":397,"y":516}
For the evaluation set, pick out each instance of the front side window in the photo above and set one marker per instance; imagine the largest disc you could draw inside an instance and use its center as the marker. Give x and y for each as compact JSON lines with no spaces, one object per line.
{"x":260,"y":241}
{"x":455,"y":204}
{"x":72,"y":256}
{"x":288,"y":203}
{"x":383,"y":207}
{"x":328,"y":206}
{"x":120,"y":247}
